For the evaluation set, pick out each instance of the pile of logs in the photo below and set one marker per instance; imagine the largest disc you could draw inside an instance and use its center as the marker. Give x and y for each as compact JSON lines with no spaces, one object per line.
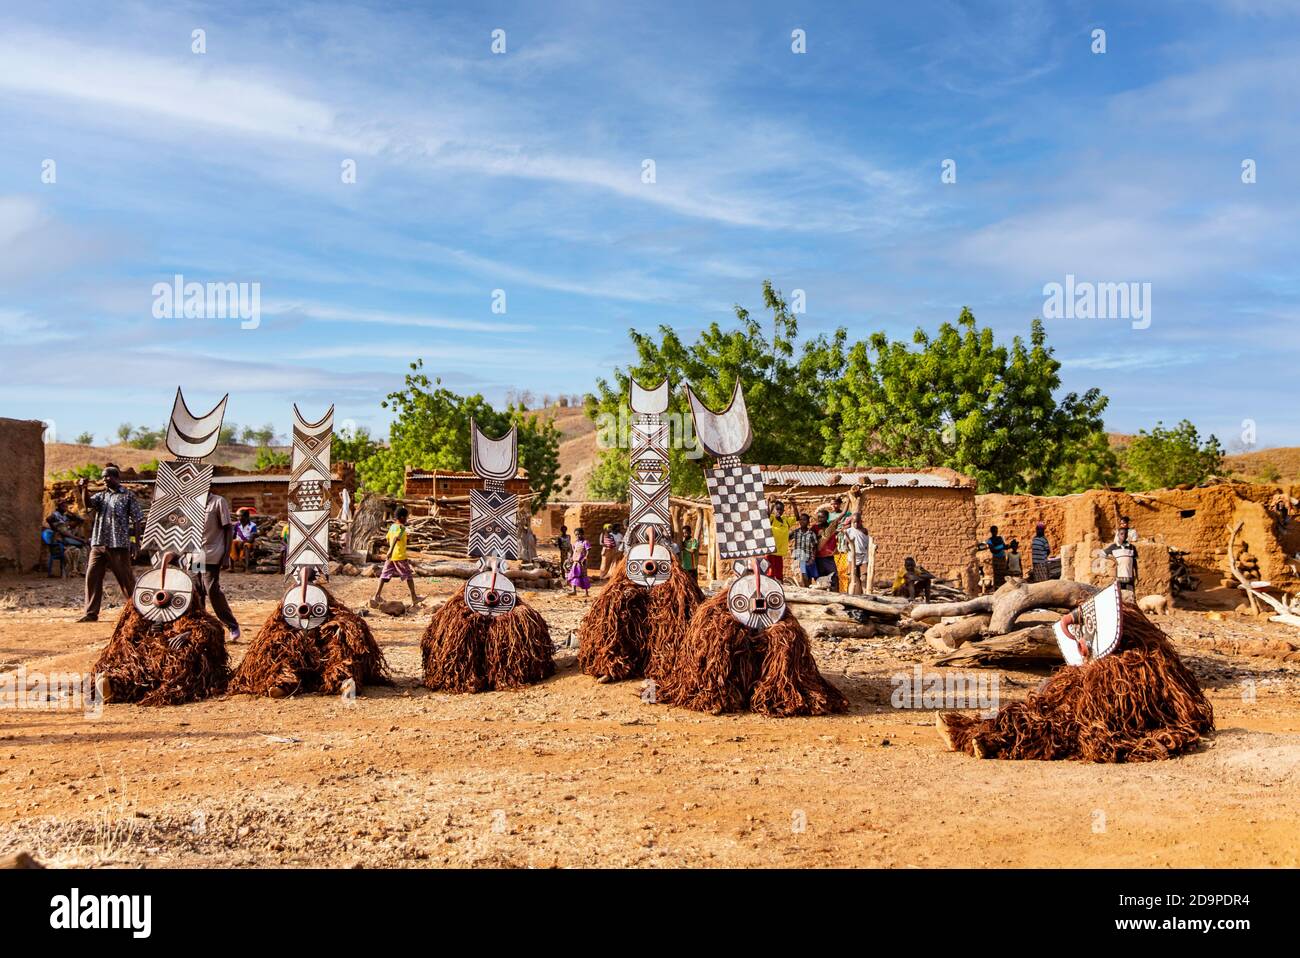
{"x":988,"y":630}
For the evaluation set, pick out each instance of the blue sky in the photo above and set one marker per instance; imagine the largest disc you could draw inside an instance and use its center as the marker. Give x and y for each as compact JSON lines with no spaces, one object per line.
{"x":523,"y":172}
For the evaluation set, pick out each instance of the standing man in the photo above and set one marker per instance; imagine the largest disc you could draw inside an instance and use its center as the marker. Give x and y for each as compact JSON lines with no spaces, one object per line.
{"x":1040,"y":550}
{"x":859,"y":551}
{"x":781,"y":527}
{"x":1124,"y":551}
{"x":218,"y":531}
{"x":803,"y":551}
{"x":997,"y":547}
{"x":118,"y":518}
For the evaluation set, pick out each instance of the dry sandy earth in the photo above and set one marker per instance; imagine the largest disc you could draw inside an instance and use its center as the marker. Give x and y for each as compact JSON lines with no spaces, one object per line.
{"x":575,"y":773}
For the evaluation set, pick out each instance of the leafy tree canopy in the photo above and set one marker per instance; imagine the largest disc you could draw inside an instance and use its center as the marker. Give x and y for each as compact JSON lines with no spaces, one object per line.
{"x":963,"y":401}
{"x":785,"y":388}
{"x":1164,"y":457}
{"x":431,"y":431}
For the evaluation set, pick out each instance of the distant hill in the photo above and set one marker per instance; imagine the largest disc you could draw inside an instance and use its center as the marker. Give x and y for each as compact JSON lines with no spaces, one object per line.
{"x":1259,"y":464}
{"x":578,"y":451}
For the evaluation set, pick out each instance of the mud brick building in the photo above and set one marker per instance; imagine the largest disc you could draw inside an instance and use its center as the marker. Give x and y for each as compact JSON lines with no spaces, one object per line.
{"x":266,"y":494}
{"x":928,"y":514}
{"x":22,"y":515}
{"x":1195,"y":520}
{"x":440,"y":484}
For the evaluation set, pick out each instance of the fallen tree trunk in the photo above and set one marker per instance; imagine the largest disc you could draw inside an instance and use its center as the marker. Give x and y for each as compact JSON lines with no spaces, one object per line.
{"x":844,"y":630}
{"x":464,"y":570}
{"x":947,"y":636}
{"x":873,"y":604}
{"x":1052,"y":594}
{"x":1035,"y":645}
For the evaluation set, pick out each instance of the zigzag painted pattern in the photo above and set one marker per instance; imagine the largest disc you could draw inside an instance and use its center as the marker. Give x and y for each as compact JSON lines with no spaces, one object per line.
{"x":493,"y":524}
{"x":176,"y":514}
{"x":648,"y":490}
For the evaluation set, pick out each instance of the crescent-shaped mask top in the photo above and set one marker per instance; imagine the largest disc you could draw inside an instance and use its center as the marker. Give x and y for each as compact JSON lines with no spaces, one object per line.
{"x":323,"y":425}
{"x":726,"y":433}
{"x":493,"y":458}
{"x":652,"y":401}
{"x":194,"y":437}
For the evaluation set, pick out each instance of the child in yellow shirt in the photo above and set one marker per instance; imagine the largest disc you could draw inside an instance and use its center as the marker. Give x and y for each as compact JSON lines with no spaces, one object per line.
{"x":397,"y":565}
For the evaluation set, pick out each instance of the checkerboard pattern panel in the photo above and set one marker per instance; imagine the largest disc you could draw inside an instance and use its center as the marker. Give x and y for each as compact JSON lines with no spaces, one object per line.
{"x":739,"y":511}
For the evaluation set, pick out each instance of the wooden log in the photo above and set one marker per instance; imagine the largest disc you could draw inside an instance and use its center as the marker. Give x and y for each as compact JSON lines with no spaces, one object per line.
{"x":1008,"y":605}
{"x":1035,"y":646}
{"x":876,"y":605}
{"x":938,"y":610}
{"x":947,"y":636}
{"x":844,"y":630}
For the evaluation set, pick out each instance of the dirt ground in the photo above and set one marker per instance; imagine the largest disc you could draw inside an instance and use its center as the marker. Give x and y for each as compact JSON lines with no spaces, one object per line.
{"x":574,"y":773}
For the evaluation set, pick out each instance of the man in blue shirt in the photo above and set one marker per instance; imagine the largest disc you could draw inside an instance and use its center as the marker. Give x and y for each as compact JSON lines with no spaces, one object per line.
{"x":997,"y":547}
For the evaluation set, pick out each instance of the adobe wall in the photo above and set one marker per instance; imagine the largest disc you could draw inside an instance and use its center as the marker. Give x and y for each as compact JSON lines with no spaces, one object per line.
{"x":1196,"y":521}
{"x":22,"y":515}
{"x":590,"y":517}
{"x":934,"y":525}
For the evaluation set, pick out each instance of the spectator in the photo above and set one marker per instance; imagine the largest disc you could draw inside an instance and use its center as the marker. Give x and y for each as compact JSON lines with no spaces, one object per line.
{"x":827,"y":529}
{"x":781,"y":527}
{"x":241,"y":543}
{"x":1014,"y":567}
{"x":803,"y":551}
{"x":859,"y":550}
{"x":997,"y":547}
{"x":564,"y":544}
{"x":912,"y":579}
{"x":119,"y":521}
{"x":528,"y":545}
{"x":1124,"y":553}
{"x":608,"y":550}
{"x":218,"y":533}
{"x":1040,"y":551}
{"x":397,"y":564}
{"x":576,"y":574}
{"x":689,"y":546}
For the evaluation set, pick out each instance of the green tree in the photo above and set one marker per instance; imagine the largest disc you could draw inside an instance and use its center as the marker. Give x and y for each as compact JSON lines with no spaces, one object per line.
{"x":431,"y":431}
{"x":1090,"y":463}
{"x":229,"y":433}
{"x":268,"y":458}
{"x":146,"y":438}
{"x":85,"y":439}
{"x":124,"y":431}
{"x":959,"y":400}
{"x":1163,"y":458}
{"x":357,"y":446}
{"x":785,"y":389}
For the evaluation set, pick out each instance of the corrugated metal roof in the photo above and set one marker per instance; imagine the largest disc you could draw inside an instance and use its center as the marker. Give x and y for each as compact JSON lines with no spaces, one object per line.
{"x":831,"y":477}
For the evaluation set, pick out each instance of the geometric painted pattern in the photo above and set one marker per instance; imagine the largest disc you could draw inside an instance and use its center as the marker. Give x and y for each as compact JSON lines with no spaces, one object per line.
{"x":178,"y":509}
{"x":309,"y":485}
{"x":648,"y":489}
{"x":493,"y":523}
{"x":739,"y":509}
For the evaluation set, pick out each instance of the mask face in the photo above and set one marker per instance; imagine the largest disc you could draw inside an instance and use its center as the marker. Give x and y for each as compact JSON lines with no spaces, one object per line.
{"x":490,"y":593}
{"x":755,"y":599}
{"x":162,"y":600}
{"x":648,"y":566}
{"x":1092,"y":630}
{"x":305,"y":608}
